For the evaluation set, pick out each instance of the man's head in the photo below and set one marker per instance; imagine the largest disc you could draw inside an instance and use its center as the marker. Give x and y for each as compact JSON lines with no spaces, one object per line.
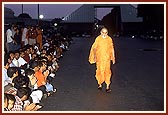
{"x":35,"y":66}
{"x":30,"y":74}
{"x":104,"y":32}
{"x":12,"y":72}
{"x":23,"y":93}
{"x":17,"y":55}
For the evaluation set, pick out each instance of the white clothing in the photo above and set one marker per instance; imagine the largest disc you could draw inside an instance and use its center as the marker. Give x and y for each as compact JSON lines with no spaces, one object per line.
{"x":32,"y":41}
{"x":9,"y":36}
{"x":13,"y":32}
{"x":24,"y":39}
{"x":30,"y":56}
{"x":6,"y":78}
{"x":15,"y":62}
{"x":36,"y":96}
{"x":12,"y":65}
{"x":21,"y":61}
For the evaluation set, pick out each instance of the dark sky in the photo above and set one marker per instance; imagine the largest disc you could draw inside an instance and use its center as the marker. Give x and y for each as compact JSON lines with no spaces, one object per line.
{"x":49,"y":11}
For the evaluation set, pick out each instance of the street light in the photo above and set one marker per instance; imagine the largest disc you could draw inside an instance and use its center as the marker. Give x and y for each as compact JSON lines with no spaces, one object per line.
{"x":41,"y":16}
{"x":40,"y":20}
{"x":55,"y":24}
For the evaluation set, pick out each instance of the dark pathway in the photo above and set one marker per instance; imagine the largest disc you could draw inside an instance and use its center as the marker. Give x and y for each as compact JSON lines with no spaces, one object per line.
{"x":137,"y":83}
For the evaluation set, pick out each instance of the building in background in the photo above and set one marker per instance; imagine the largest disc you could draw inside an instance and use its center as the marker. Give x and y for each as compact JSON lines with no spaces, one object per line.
{"x":124,"y":19}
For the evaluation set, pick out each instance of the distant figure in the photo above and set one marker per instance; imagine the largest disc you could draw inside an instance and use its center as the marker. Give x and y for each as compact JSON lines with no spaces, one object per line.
{"x":24,"y":36}
{"x":39,"y":37}
{"x":101,"y":53}
{"x":32,"y":36}
{"x":10,"y":45}
{"x":18,"y":39}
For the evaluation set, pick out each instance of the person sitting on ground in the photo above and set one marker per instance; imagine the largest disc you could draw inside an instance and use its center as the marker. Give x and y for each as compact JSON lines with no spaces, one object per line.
{"x":21,"y":82}
{"x":9,"y":101}
{"x":49,"y":87}
{"x":12,"y":73}
{"x":18,"y":61}
{"x":36,"y":94}
{"x":6,"y":66}
{"x":10,"y":57}
{"x":27,"y":105}
{"x":22,"y":61}
{"x":33,"y":58}
{"x":26,"y":54}
{"x":42,"y":77}
{"x":52,"y":63}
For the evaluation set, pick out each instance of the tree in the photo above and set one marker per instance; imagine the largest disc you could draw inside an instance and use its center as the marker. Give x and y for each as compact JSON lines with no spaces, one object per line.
{"x":25,"y":15}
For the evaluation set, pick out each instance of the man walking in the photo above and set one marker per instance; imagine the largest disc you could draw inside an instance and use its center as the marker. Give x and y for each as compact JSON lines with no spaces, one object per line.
{"x":101,"y":53}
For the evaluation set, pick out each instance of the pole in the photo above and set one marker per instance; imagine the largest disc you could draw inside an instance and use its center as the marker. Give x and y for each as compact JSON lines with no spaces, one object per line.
{"x":38,"y":13}
{"x":22,"y":8}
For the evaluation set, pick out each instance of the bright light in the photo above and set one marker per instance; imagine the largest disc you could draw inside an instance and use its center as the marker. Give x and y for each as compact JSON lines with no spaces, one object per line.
{"x":55,"y":24}
{"x":41,"y":16}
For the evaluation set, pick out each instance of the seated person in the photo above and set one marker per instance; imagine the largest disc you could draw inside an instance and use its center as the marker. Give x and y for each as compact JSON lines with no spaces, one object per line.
{"x":9,"y":101}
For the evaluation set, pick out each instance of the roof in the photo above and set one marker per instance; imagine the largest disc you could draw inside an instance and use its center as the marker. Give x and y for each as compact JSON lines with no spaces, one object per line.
{"x":86,"y":13}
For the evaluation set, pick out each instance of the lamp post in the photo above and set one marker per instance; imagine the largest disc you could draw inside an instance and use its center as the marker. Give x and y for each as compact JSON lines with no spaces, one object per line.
{"x":40,"y":20}
{"x":38,"y":13}
{"x":22,"y":8}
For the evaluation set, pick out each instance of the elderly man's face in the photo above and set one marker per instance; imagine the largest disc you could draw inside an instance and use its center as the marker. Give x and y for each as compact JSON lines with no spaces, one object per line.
{"x":104,"y":33}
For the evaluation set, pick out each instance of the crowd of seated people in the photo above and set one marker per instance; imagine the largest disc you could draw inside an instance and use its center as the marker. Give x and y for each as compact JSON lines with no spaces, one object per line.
{"x":29,"y":71}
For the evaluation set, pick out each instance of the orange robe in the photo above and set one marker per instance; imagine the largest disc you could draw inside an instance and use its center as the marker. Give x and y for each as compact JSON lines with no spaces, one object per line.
{"x":40,"y":78}
{"x":39,"y":38}
{"x":101,"y":53}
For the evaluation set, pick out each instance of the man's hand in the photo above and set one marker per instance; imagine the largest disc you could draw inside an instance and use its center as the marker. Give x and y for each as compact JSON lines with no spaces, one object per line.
{"x":113,"y":61}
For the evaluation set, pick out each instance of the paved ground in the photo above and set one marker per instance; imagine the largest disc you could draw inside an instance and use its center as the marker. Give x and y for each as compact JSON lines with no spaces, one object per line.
{"x":137,"y":82}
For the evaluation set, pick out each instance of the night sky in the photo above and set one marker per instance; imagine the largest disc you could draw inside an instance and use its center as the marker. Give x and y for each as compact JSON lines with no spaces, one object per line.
{"x":49,"y":11}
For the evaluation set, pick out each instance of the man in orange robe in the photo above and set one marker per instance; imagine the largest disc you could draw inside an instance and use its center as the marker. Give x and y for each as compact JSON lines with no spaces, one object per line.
{"x":101,"y":53}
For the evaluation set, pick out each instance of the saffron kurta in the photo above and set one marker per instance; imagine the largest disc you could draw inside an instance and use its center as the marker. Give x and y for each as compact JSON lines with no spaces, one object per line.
{"x":101,"y":53}
{"x":39,"y":37}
